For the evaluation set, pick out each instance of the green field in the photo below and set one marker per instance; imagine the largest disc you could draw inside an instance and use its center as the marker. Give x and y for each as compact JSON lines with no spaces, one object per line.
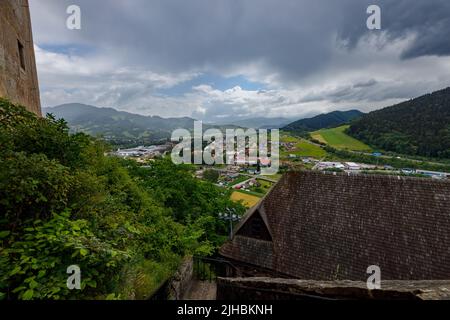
{"x":262,"y":189}
{"x":274,"y":177}
{"x":247,"y":199}
{"x":337,"y":138}
{"x":284,"y":137}
{"x":303,"y":148}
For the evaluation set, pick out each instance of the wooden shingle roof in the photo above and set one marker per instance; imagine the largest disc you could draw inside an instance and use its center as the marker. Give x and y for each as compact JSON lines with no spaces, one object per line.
{"x":333,"y":226}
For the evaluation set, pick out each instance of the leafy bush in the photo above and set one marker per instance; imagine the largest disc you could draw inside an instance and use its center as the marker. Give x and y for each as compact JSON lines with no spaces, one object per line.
{"x":41,"y":255}
{"x":31,"y":186}
{"x":63,"y":202}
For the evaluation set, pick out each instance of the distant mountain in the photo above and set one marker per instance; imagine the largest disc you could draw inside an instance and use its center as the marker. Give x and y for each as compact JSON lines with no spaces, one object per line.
{"x":326,"y":120}
{"x":419,"y":126}
{"x":117,"y":126}
{"x":256,"y":123}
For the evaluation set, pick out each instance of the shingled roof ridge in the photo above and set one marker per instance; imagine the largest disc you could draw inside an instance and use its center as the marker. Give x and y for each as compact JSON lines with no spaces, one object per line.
{"x":321,"y":221}
{"x":368,"y":176}
{"x":259,"y":207}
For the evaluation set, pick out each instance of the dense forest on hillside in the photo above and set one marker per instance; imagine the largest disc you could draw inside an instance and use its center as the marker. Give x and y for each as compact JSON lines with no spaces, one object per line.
{"x":416,"y":127}
{"x":326,"y":120}
{"x":118,"y":127}
{"x":63,"y":202}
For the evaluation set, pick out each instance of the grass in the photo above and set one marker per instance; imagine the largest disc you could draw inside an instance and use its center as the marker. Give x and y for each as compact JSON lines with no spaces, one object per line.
{"x":142,"y":279}
{"x":303,"y":148}
{"x":251,"y":192}
{"x":317,"y":136}
{"x":287,"y":138}
{"x":239,"y":179}
{"x":337,"y":138}
{"x":262,"y":189}
{"x":264,"y":184}
{"x":248,"y":200}
{"x":310,"y":150}
{"x":274,"y":177}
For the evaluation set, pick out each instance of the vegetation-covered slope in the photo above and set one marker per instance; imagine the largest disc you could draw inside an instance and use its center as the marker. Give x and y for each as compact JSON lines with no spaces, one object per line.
{"x":302,"y":147}
{"x":256,"y":123}
{"x":117,"y":126}
{"x":419,"y":126}
{"x":337,"y":138}
{"x":327,"y":120}
{"x":62,"y":203}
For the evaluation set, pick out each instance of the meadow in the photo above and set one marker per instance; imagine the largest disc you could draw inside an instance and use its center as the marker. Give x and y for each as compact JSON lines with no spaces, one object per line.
{"x":303,"y":148}
{"x":337,"y":138}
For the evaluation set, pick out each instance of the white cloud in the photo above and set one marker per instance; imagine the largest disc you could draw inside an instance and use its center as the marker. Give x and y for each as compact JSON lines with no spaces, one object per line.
{"x":139,"y":47}
{"x":358,"y":79}
{"x":96,"y":80}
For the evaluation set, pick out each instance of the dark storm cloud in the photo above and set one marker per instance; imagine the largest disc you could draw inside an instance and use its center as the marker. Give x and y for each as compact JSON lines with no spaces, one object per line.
{"x":365,"y":84}
{"x":428,"y":20}
{"x":308,"y":54}
{"x":179,"y":35}
{"x":291,"y":37}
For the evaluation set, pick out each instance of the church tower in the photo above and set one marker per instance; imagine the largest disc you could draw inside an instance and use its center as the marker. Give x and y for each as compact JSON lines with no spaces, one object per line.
{"x":18,"y":75}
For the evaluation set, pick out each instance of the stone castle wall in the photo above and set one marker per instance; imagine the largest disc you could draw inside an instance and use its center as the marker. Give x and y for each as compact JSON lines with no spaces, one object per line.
{"x":18,"y":75}
{"x":182,"y":279}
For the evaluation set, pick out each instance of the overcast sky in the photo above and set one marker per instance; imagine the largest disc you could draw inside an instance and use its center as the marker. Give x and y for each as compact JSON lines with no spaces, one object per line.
{"x":211,"y":59}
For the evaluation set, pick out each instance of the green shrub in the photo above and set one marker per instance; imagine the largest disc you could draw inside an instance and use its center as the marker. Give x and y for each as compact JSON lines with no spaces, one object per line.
{"x":40,"y":257}
{"x":63,"y":202}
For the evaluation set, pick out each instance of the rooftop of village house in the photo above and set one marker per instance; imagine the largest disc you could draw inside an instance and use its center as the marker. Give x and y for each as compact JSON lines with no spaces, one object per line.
{"x":321,"y":226}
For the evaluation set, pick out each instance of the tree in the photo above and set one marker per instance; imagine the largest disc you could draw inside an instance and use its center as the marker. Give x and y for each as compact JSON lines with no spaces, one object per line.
{"x":211,"y":175}
{"x":63,"y":202}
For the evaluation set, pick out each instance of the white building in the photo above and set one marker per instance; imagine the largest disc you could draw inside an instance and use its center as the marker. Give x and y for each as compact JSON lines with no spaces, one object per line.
{"x":352,"y":166}
{"x":329,"y":165}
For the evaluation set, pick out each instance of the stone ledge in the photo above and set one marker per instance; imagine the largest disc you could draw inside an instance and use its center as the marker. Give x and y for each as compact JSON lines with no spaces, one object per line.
{"x":292,"y":289}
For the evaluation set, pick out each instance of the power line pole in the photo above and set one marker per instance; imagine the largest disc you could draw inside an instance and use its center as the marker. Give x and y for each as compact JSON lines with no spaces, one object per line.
{"x":230,"y":216}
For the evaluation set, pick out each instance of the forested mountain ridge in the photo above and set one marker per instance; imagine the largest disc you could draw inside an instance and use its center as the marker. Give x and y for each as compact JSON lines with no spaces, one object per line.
{"x":122,"y":128}
{"x":326,"y":120}
{"x":256,"y":123}
{"x":420,"y":126}
{"x":118,"y":126}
